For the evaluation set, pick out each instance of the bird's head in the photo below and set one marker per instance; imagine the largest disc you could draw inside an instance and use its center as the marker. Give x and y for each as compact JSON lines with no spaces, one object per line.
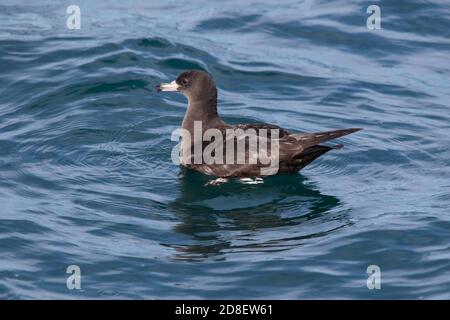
{"x":196,"y":85}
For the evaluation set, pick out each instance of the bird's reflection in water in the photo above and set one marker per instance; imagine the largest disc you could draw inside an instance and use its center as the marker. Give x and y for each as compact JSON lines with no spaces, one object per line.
{"x":281,"y":213}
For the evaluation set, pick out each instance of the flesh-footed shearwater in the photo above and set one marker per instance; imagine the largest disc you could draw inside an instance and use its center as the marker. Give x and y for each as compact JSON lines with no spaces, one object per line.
{"x":293,"y":151}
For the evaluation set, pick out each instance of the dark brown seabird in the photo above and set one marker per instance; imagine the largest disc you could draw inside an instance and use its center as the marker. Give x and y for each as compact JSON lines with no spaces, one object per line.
{"x":296,"y":150}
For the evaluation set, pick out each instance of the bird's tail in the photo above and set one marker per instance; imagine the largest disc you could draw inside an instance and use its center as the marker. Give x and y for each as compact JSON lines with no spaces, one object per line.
{"x":307,"y":140}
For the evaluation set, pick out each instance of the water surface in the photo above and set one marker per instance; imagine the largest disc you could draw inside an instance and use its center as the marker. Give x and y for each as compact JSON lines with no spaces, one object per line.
{"x":86,"y":176}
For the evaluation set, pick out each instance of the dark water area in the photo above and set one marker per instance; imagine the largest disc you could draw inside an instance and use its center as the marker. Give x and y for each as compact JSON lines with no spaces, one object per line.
{"x":86,"y":176}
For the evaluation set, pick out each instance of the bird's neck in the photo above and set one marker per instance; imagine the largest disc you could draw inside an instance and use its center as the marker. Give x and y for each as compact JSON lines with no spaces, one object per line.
{"x":204,"y":111}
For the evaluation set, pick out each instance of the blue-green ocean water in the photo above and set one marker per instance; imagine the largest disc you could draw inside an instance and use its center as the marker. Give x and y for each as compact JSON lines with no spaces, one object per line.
{"x":86,"y":177}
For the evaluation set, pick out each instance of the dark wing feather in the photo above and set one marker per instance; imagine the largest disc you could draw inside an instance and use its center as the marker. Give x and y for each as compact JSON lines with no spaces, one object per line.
{"x":257,"y":126}
{"x":307,"y":140}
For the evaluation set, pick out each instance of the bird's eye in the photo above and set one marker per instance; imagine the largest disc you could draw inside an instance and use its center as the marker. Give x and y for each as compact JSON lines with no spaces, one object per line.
{"x":184,"y":81}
